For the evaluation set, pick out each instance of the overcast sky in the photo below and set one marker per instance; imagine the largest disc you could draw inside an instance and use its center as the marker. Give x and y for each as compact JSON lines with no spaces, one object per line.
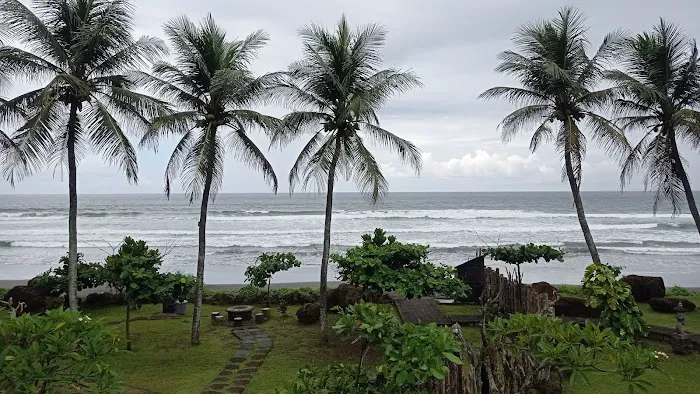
{"x":451,"y":45}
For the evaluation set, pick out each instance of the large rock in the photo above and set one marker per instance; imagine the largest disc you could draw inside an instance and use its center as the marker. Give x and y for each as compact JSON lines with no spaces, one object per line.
{"x":344,"y":295}
{"x":667,"y":304}
{"x":645,"y":288}
{"x":34,"y":299}
{"x":309,"y":313}
{"x":544,"y":288}
{"x":575,"y":307}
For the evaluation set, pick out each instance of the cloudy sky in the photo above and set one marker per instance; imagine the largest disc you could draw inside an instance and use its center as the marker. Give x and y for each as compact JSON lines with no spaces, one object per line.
{"x":452,"y":45}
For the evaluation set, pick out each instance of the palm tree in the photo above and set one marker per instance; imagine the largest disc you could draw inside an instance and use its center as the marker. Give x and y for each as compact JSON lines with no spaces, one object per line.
{"x":558,"y":81}
{"x":660,"y":94}
{"x":82,"y":48}
{"x":338,"y":89}
{"x":212,"y":87}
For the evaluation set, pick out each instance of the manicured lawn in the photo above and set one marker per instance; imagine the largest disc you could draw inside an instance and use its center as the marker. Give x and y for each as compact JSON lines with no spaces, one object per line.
{"x":679,"y":376}
{"x":162,"y":360}
{"x":692,"y":323}
{"x":460,"y":309}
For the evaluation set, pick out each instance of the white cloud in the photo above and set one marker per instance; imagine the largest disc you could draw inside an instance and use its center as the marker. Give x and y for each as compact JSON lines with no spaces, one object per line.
{"x":484,"y":164}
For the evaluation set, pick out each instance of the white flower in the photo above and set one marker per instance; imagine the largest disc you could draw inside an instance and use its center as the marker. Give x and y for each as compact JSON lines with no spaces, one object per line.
{"x":80,"y":319}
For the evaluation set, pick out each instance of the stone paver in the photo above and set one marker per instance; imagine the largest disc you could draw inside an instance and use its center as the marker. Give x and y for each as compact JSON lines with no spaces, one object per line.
{"x":255,"y":344}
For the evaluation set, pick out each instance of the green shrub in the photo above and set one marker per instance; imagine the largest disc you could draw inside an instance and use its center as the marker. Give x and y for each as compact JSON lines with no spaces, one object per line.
{"x":575,"y":350}
{"x":55,"y":280}
{"x":51,"y":352}
{"x":177,"y":286}
{"x":337,"y":379}
{"x":255,"y":295}
{"x":260,"y":275}
{"x":383,"y":265}
{"x":134,"y":272}
{"x":602,"y":286}
{"x":574,"y":290}
{"x":3,"y":292}
{"x":677,"y":291}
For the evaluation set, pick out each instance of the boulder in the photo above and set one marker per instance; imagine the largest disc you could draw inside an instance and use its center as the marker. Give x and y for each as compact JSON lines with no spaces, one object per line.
{"x":103,"y":299}
{"x":34,"y":299}
{"x":544,"y":288}
{"x":645,"y":288}
{"x":309,"y":313}
{"x":667,"y":304}
{"x":344,"y":295}
{"x":575,"y":307}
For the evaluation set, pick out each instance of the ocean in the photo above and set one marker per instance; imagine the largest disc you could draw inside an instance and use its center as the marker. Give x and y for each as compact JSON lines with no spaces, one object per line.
{"x":33,"y":230}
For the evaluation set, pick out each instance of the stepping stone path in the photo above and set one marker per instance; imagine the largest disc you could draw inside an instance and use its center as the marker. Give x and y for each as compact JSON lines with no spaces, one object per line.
{"x":254,"y":347}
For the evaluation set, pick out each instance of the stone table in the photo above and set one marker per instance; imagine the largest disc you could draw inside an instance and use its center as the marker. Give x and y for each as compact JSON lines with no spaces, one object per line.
{"x":245,"y":312}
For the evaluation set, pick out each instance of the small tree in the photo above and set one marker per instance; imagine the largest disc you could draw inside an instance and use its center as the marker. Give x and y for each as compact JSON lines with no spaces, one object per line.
{"x":55,"y":280}
{"x":52,"y":352}
{"x":269,"y":264}
{"x":133,"y":271}
{"x":382,"y":264}
{"x":520,"y":254}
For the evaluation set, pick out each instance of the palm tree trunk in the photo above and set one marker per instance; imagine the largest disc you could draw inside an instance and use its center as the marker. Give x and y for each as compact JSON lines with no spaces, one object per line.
{"x":579,"y":208}
{"x":327,"y":241}
{"x":680,"y":171}
{"x":201,"y":253}
{"x":72,"y":211}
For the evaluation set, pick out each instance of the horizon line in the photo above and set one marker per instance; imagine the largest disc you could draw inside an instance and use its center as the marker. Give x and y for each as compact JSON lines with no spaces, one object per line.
{"x":323,"y":193}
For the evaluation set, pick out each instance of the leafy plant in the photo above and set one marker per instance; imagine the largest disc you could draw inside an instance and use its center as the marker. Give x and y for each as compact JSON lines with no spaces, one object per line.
{"x":677,"y":291}
{"x":382,"y":264}
{"x":282,"y":307}
{"x":54,"y":352}
{"x":413,"y":355}
{"x":369,"y":324}
{"x":337,"y":379}
{"x":134,"y":272}
{"x":602,"y":286}
{"x":55,"y":280}
{"x":574,"y":350}
{"x":177,"y":286}
{"x":269,"y":264}
{"x":255,"y":295}
{"x":576,"y":290}
{"x":520,"y":254}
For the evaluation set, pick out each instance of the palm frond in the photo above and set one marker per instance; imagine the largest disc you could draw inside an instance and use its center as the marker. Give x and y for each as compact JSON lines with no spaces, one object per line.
{"x":522,"y":119}
{"x":245,"y":150}
{"x":133,"y":55}
{"x":177,"y":158}
{"x":609,"y":136}
{"x":517,"y":96}
{"x":407,"y":152}
{"x":20,"y":22}
{"x":367,"y":173}
{"x":107,"y":137}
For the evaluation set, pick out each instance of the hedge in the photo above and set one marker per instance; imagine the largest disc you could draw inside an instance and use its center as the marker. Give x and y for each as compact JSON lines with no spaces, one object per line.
{"x":256,"y":295}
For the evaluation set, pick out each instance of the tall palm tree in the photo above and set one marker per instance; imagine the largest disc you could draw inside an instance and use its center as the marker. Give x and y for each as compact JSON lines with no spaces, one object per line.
{"x":212,"y":87}
{"x":338,"y":89}
{"x":82,"y":48}
{"x":660,"y":94}
{"x":558,"y":81}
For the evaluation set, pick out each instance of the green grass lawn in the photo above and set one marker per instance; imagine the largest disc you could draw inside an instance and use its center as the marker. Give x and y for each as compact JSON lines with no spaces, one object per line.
{"x":679,"y":375}
{"x":162,"y":360}
{"x":460,"y":309}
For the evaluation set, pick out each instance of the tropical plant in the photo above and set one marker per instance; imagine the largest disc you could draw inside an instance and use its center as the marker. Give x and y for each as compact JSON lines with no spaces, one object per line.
{"x":659,"y":91}
{"x":269,"y":264}
{"x":56,"y":352}
{"x":369,"y":324}
{"x":570,"y":349}
{"x":675,"y":291}
{"x":520,"y":254}
{"x":558,"y":81}
{"x":337,"y":90}
{"x":83,"y":48}
{"x":134,"y":272}
{"x":55,"y":280}
{"x":177,"y":287}
{"x":383,"y":265}
{"x":604,"y":288}
{"x":213,"y":88}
